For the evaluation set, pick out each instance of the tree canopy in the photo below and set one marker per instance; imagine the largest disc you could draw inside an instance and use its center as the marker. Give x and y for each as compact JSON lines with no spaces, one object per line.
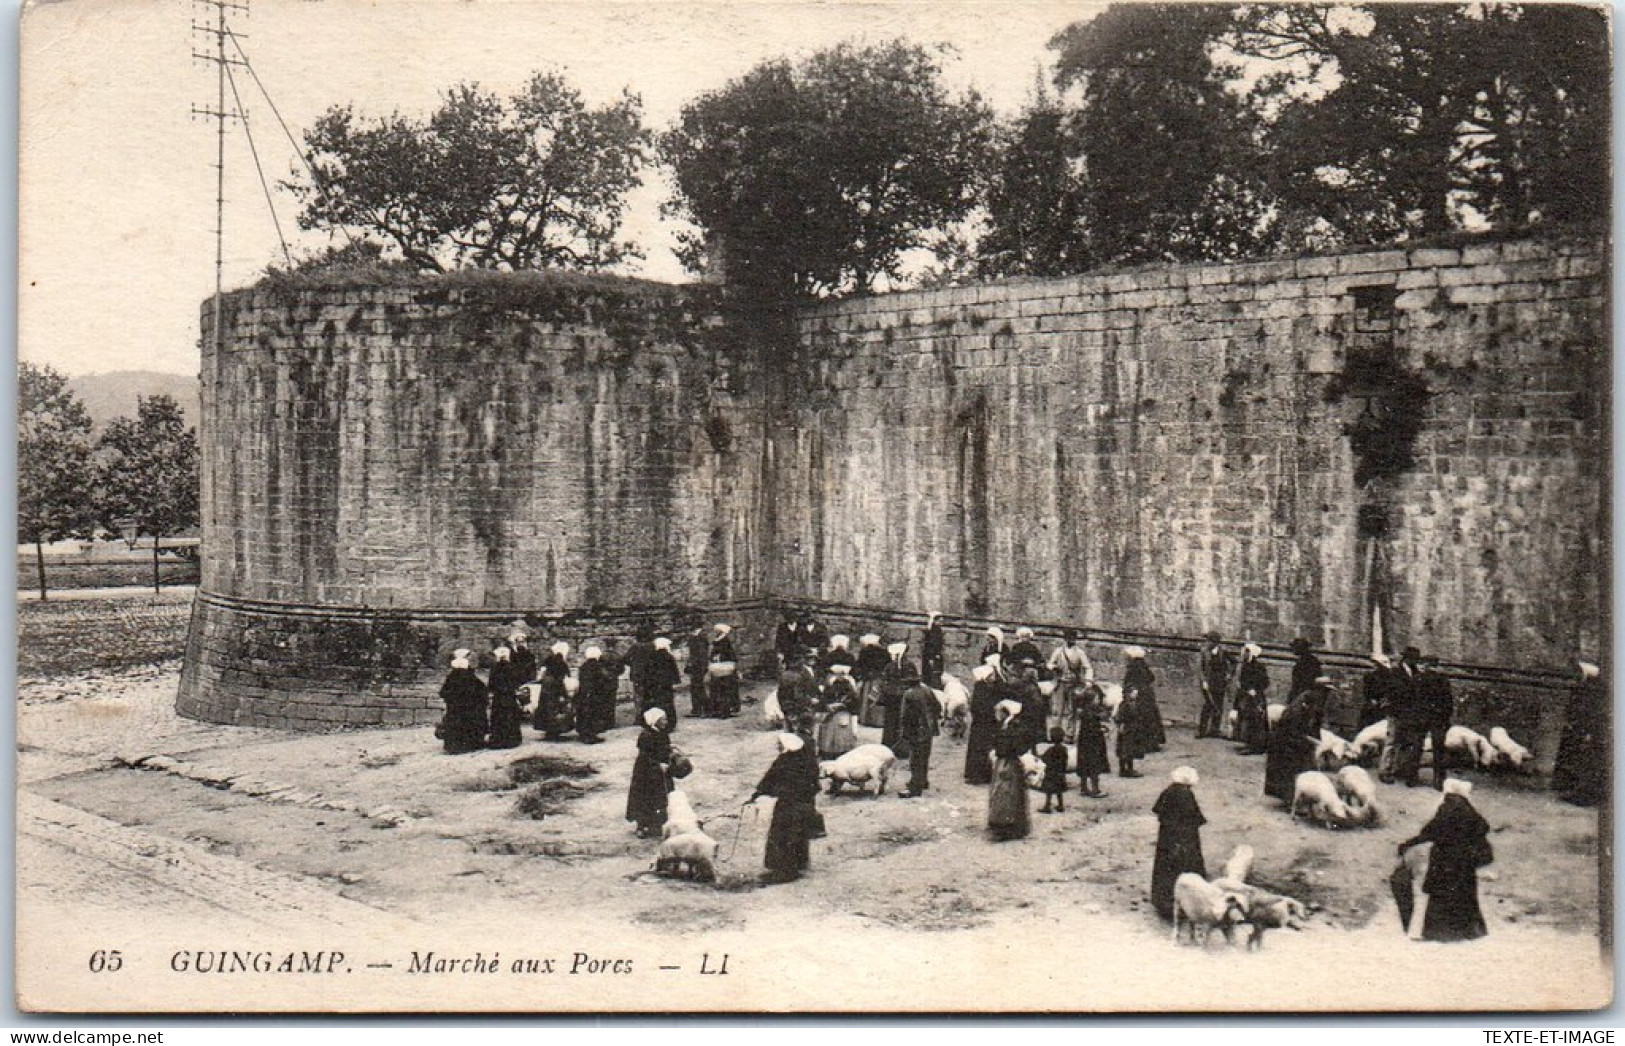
{"x":819,"y":177}
{"x":535,"y":180}
{"x":1207,"y":132}
{"x":147,"y":473}
{"x":53,"y":461}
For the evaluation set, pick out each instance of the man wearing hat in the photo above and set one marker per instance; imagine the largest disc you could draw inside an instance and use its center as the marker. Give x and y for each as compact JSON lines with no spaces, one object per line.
{"x":1426,"y":707}
{"x":933,"y":651}
{"x":921,"y":718}
{"x":1216,"y":668}
{"x":699,"y":663}
{"x":1305,"y":670}
{"x":899,"y":676}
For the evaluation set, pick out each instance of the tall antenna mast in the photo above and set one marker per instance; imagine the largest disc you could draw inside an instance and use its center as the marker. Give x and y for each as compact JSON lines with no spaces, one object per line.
{"x":213,"y":24}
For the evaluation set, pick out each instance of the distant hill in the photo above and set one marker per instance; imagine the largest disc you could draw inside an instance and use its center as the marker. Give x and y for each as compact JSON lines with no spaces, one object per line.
{"x":113,"y":395}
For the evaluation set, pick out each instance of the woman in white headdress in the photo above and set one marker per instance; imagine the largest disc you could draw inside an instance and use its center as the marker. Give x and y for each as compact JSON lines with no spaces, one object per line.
{"x":836,"y":737}
{"x":1179,"y":838}
{"x":995,"y":645}
{"x":933,"y":651}
{"x":662,"y":679}
{"x":555,"y":714}
{"x":595,"y":702}
{"x":987,"y":690}
{"x":467,"y":706}
{"x":792,"y":781}
{"x":505,"y":680}
{"x":724,"y":676}
{"x":1252,"y":701}
{"x":870,"y":668}
{"x":1009,"y":811}
{"x":651,"y":779}
{"x":1461,"y":846}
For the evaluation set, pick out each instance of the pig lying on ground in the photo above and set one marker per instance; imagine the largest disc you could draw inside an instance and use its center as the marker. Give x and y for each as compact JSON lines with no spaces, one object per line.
{"x":1314,"y":795}
{"x":1359,"y":794}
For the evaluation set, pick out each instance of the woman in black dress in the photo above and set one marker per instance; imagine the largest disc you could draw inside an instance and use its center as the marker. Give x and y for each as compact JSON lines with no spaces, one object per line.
{"x":1292,"y":743}
{"x":651,"y":777}
{"x":506,"y":679}
{"x":792,"y":780}
{"x":1089,"y":722}
{"x":555,"y":715}
{"x":987,"y":691}
{"x":1137,"y":675}
{"x":1009,"y":811}
{"x":467,"y":705}
{"x":1460,"y":838}
{"x":1179,"y":839}
{"x":1252,"y":701}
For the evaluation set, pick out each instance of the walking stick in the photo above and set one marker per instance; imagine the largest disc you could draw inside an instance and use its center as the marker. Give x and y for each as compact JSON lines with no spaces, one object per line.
{"x":739,"y":829}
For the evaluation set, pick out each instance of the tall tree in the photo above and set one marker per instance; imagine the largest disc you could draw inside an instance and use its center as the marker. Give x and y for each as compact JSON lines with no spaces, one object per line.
{"x":818,"y":177}
{"x":1432,"y":117}
{"x":147,"y":473}
{"x":1168,"y":156}
{"x":53,"y":462}
{"x":536,"y":180}
{"x":1035,"y":197}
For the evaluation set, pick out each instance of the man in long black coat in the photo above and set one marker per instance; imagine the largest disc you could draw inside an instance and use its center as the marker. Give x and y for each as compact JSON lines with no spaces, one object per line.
{"x":1425,"y":715}
{"x":898,"y":676}
{"x":922,"y":714}
{"x":1217,"y":666}
{"x":933,"y":652}
{"x":637,"y":666}
{"x":699,"y":661}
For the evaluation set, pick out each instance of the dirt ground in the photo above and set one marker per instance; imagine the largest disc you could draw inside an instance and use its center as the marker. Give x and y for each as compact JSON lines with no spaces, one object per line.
{"x":382,"y":821}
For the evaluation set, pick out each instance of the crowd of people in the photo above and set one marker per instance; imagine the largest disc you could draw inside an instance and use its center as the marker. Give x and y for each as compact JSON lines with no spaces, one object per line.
{"x":1023,"y":707}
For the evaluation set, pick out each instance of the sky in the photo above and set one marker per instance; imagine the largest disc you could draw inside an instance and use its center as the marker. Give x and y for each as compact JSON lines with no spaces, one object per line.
{"x":117,"y":184}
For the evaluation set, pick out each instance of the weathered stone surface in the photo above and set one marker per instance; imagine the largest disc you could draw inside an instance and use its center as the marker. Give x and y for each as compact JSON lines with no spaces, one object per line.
{"x":393,"y":471}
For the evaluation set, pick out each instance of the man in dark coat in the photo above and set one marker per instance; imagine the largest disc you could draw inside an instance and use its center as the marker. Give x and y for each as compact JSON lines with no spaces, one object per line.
{"x":814,"y":637}
{"x":1305,"y":670}
{"x":699,"y":661}
{"x":793,"y":781}
{"x":1379,"y":691}
{"x":987,"y":690}
{"x":1217,"y":665}
{"x":467,"y":706}
{"x":899,"y":675}
{"x":1460,"y":838}
{"x":797,"y":687}
{"x":1580,"y":775}
{"x":786,"y":638}
{"x":1179,"y":839}
{"x":922,"y":714}
{"x":1425,"y":715}
{"x":933,"y":651}
{"x":637,"y":666}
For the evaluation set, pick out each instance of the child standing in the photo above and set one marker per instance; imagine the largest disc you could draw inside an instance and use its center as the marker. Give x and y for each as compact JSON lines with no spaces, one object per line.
{"x":1090,"y":729}
{"x":1055,"y":771}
